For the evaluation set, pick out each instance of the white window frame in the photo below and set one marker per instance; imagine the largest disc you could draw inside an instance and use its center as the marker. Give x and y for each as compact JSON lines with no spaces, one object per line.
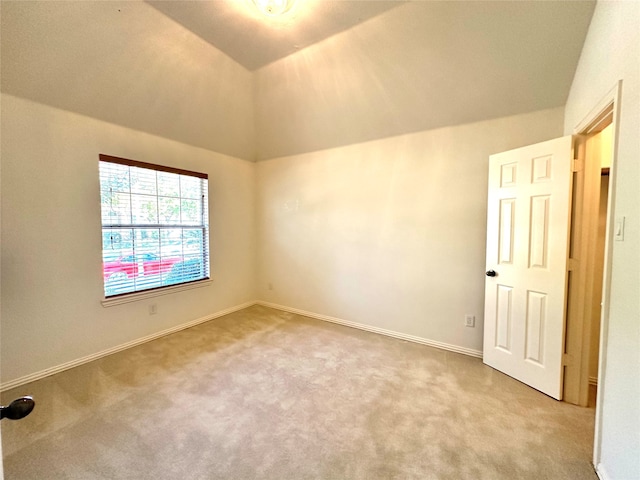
{"x":203,"y":255}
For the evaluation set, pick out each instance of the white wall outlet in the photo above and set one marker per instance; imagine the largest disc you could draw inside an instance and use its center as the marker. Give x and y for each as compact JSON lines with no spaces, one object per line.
{"x":469,"y":321}
{"x":153,"y":309}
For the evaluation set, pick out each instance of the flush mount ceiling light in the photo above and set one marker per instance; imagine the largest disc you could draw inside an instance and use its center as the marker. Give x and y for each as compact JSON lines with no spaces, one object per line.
{"x":273,"y":8}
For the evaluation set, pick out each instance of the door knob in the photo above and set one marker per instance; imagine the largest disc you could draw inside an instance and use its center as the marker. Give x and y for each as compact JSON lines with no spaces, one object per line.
{"x":19,"y":408}
{"x":491,"y":273}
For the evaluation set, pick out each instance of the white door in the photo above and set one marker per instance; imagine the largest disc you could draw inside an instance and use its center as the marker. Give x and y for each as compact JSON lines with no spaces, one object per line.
{"x":527,"y":250}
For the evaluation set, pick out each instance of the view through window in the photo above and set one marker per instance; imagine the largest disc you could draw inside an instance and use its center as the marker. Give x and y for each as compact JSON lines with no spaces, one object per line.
{"x":155,"y":226}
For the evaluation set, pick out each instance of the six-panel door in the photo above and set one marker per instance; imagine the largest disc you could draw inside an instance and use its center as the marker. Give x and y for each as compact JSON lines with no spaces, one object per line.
{"x":527,"y":246}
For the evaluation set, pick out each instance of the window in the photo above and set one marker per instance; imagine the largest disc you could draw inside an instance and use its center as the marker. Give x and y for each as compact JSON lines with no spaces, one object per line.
{"x":155,"y":226}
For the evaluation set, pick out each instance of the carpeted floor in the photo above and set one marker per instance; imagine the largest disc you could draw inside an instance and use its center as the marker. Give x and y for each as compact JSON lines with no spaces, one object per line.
{"x":264,"y":394}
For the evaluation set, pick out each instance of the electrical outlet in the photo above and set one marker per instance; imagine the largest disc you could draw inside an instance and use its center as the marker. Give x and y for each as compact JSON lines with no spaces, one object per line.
{"x":153,"y":309}
{"x":469,"y":321}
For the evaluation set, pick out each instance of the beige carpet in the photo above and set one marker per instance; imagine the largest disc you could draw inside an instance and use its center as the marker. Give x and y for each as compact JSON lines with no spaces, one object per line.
{"x":263,"y":394}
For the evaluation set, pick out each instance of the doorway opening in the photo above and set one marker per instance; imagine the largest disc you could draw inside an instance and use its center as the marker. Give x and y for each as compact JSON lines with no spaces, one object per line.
{"x":586,"y":264}
{"x":604,"y":143}
{"x":590,"y":258}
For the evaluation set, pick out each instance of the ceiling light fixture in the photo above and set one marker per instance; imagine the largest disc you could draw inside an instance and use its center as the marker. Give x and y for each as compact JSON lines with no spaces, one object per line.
{"x":273,"y":8}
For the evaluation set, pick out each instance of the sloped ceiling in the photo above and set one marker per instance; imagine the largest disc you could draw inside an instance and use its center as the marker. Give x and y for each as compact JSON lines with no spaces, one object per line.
{"x":329,"y":73}
{"x":253,"y":40}
{"x":417,"y":67}
{"x":334,"y":73}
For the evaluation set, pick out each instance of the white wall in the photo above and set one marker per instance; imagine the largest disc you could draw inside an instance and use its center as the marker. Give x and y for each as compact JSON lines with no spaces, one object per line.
{"x":127,"y":63}
{"x":51,"y":237}
{"x":123,"y":69}
{"x":388,"y":233}
{"x":612,"y":52}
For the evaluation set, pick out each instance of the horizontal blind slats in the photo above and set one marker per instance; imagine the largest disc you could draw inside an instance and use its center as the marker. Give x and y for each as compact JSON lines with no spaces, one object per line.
{"x":155,"y":226}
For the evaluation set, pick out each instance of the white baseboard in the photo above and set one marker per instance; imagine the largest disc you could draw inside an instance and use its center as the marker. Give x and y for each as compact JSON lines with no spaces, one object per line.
{"x":381,"y":331}
{"x":601,"y":472}
{"x":80,"y":361}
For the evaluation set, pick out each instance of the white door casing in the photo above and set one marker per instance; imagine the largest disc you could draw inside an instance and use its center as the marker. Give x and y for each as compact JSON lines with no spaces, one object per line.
{"x":528,"y":219}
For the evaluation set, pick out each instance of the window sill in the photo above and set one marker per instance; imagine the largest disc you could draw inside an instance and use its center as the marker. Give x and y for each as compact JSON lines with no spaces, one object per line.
{"x":134,"y":297}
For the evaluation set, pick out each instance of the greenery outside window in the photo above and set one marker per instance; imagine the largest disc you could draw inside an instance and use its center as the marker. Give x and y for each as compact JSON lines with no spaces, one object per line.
{"x":155,"y":226}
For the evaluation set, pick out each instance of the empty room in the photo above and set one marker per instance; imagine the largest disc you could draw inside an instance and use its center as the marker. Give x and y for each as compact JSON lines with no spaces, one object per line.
{"x":320,"y":239}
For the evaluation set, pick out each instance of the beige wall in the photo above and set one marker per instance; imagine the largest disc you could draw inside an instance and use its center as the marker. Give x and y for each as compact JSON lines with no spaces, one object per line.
{"x":388,"y":233}
{"x":611,"y":53}
{"x":141,"y":86}
{"x":51,"y":240}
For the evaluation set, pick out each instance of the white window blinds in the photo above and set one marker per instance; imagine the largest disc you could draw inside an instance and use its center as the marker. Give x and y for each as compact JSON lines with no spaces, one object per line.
{"x":155,"y":226}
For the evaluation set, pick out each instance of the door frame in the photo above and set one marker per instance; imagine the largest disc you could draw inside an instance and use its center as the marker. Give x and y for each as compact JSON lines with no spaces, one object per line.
{"x":607,"y":108}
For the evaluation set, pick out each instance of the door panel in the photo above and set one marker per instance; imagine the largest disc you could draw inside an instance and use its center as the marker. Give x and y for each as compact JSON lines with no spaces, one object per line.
{"x":527,"y":245}
{"x":503,"y":318}
{"x":536,"y":315}
{"x":507,"y":218}
{"x":539,"y":227}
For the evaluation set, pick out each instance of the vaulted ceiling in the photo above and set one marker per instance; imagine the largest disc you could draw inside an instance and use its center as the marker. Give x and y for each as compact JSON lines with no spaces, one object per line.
{"x":254,"y":40}
{"x":219,"y":75}
{"x":336,"y":72}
